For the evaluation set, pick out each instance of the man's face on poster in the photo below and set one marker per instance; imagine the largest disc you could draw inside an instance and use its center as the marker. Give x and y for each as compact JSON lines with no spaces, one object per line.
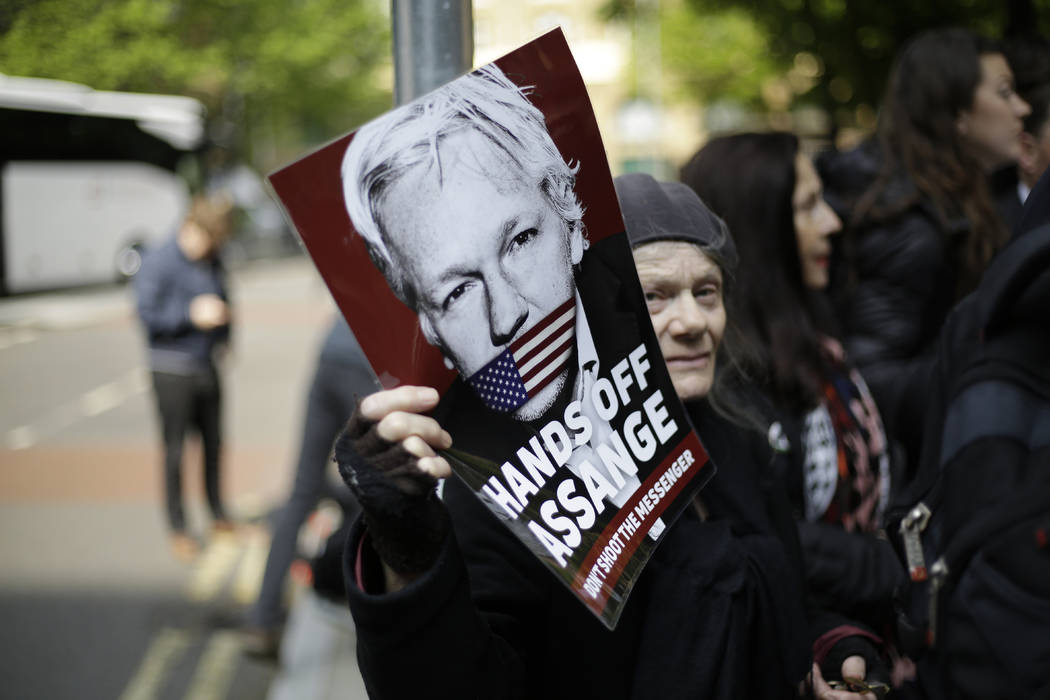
{"x":484,"y":251}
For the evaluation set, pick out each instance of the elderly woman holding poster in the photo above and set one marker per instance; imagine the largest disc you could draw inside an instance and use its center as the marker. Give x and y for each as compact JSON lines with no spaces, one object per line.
{"x":467,"y":611}
{"x":481,"y":234}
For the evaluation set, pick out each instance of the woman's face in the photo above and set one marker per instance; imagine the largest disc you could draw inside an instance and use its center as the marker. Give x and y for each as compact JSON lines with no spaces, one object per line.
{"x":815,"y":224}
{"x":991,"y":129}
{"x":683,"y":291}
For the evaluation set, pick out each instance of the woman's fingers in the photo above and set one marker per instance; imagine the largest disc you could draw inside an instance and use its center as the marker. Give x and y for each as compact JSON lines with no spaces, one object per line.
{"x":397,"y":413}
{"x":437,"y":467}
{"x":429,"y":462}
{"x":415,"y":445}
{"x":854,"y":667}
{"x":823,"y":691}
{"x":400,"y":425}
{"x":411,"y":399}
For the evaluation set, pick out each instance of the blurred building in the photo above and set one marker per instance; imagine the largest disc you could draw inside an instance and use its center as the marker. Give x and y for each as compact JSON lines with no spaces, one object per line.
{"x":620,"y":64}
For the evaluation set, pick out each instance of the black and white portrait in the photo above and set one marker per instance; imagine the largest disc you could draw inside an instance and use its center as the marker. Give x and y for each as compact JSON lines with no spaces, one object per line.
{"x":469,"y":210}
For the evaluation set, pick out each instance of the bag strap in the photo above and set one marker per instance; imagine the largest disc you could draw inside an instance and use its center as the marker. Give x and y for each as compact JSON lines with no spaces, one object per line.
{"x":995,"y":408}
{"x":1012,"y":271}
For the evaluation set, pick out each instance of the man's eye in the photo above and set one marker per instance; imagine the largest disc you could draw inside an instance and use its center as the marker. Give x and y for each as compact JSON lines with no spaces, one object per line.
{"x":652,"y":296}
{"x":523,"y":238}
{"x":454,"y":295}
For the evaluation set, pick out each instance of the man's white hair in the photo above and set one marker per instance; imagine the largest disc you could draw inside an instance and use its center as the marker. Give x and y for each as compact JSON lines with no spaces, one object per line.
{"x":384,"y":150}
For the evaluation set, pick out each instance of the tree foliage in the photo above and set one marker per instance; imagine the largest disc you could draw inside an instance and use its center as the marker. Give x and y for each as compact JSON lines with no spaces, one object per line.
{"x":266,"y":69}
{"x":853,"y":42}
{"x":722,"y":54}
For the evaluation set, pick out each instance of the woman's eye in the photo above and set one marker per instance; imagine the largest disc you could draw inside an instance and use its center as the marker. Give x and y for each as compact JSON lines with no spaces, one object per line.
{"x":523,"y":238}
{"x":810,"y":204}
{"x":706,"y":293}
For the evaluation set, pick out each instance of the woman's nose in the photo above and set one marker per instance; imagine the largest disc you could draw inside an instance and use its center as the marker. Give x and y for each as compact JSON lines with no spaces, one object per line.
{"x":1021,"y":108}
{"x":830,"y":221}
{"x":688,"y":318}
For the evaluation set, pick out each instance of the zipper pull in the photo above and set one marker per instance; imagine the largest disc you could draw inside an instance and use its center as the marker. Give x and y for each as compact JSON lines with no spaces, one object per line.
{"x":938,"y":575}
{"x":911,"y":533}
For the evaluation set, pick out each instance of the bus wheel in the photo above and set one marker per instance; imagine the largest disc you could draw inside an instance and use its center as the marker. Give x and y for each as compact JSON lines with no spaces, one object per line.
{"x":129,"y":261}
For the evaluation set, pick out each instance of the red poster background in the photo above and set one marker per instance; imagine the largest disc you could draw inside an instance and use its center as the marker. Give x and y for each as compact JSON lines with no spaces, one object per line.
{"x":312,"y":192}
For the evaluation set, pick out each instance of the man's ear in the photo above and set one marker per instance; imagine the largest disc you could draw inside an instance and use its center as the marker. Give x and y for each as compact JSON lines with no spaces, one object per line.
{"x":576,"y":246}
{"x":428,"y":330}
{"x":431,"y":337}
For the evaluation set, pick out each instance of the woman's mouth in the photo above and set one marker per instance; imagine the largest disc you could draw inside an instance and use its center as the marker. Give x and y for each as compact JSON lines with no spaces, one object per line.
{"x":687,"y":362}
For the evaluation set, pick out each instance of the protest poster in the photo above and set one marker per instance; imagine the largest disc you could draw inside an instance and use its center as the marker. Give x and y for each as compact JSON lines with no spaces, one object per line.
{"x":473,"y":241}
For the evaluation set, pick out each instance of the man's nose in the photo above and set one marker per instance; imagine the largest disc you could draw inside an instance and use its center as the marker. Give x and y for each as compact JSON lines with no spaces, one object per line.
{"x":507,"y":309}
{"x":688,"y":318}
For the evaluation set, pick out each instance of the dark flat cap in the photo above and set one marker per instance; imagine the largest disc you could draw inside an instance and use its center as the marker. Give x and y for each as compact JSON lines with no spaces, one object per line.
{"x":670,"y":211}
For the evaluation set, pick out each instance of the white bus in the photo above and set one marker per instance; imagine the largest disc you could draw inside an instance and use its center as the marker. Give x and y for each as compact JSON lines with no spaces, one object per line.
{"x":88,"y":179}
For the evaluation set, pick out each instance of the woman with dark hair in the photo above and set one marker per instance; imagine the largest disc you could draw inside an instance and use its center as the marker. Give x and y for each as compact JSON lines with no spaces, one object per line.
{"x":922,"y":224}
{"x":822,"y":414}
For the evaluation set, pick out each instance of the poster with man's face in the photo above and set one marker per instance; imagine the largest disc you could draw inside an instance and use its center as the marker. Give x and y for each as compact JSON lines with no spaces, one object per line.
{"x":473,"y":241}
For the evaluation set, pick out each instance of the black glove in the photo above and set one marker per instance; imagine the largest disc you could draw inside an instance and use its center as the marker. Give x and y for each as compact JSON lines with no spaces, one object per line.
{"x":406,"y":521}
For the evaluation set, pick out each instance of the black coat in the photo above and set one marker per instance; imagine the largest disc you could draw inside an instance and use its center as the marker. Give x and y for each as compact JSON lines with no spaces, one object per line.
{"x":717,"y":613}
{"x":901,"y":283}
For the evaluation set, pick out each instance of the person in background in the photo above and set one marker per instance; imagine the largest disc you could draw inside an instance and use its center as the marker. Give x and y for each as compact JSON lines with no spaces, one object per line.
{"x":184,"y":309}
{"x":342,"y":376}
{"x":716,"y":613}
{"x":921,"y":224}
{"x":1029,"y":59}
{"x":821,"y":412}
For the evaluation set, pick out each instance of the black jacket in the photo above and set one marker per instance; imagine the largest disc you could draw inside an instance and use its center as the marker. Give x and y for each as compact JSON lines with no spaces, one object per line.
{"x":717,"y":613}
{"x":899,"y":284}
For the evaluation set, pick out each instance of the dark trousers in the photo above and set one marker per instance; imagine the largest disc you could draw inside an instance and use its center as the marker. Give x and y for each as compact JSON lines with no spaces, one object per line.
{"x":328,"y":406}
{"x":187,"y":401}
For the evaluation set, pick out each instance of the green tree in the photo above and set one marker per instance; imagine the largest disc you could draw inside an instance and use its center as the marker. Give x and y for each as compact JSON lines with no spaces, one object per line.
{"x":270,"y":72}
{"x":723,"y":54}
{"x":853,"y":42}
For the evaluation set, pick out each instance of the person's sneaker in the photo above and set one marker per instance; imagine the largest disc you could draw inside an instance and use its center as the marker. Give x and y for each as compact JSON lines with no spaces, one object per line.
{"x":184,"y":547}
{"x":261,"y":642}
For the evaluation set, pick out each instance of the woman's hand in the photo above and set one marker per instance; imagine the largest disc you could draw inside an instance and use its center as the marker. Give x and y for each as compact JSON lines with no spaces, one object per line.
{"x":386,"y":455}
{"x":397,"y":415}
{"x":854,"y":670}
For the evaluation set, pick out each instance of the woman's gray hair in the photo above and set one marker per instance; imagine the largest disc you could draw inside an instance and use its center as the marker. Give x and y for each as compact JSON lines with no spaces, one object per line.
{"x":384,"y":150}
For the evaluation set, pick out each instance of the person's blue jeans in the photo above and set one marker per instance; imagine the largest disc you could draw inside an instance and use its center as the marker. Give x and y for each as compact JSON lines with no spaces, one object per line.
{"x":329,"y":404}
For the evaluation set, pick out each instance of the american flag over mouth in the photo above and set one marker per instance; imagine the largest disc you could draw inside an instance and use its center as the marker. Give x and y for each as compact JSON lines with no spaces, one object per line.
{"x":529,"y":363}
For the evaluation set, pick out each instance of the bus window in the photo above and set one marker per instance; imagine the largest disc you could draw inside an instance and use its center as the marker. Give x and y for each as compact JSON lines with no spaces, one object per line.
{"x":88,"y":179}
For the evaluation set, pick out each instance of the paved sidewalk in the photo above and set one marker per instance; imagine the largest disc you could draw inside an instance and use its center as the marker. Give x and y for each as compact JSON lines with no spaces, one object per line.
{"x":318,"y":653}
{"x":79,"y":509}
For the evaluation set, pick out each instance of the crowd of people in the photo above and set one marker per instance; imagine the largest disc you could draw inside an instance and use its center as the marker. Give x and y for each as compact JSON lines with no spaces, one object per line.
{"x":799,"y":305}
{"x":773,"y":324}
